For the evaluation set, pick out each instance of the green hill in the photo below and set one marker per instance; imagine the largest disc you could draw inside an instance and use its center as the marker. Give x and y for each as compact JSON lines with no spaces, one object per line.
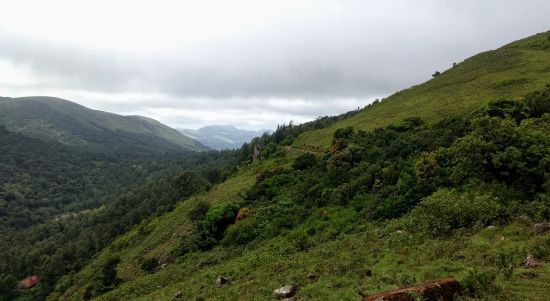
{"x":51,"y":118}
{"x":454,"y":193}
{"x":507,"y":72}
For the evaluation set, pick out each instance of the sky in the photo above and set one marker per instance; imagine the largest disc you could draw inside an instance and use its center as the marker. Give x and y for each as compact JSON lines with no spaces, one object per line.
{"x":249,"y":63}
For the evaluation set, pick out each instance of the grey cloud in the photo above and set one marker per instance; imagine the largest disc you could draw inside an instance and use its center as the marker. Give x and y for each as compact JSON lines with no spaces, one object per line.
{"x":354,"y":50}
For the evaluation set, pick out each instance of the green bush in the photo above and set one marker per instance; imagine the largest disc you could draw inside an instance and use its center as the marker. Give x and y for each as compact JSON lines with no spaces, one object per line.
{"x":446,"y":210}
{"x":344,"y":133}
{"x":505,"y":264}
{"x":219,"y":217}
{"x":149,"y":265}
{"x":304,"y":161}
{"x":478,"y":284}
{"x":105,"y":278}
{"x":242,"y":232}
{"x":272,"y":150}
{"x":7,"y":287}
{"x":198,"y":211}
{"x":538,"y":102}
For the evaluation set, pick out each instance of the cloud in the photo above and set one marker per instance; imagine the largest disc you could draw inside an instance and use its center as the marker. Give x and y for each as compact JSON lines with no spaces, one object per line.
{"x":249,"y":63}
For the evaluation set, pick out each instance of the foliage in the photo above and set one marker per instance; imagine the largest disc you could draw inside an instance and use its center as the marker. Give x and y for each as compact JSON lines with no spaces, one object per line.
{"x":105,"y":278}
{"x":304,"y":161}
{"x":198,"y":211}
{"x":478,"y":283}
{"x":446,"y":210}
{"x":538,"y":102}
{"x":7,"y":287}
{"x":149,"y":265}
{"x":219,"y":217}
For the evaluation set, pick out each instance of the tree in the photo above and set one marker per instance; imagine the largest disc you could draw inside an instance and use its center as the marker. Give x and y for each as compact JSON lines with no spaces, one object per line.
{"x":7,"y":287}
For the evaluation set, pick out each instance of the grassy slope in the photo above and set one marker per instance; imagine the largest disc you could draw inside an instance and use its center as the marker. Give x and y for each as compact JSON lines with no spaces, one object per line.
{"x":508,"y":72}
{"x":341,"y":261}
{"x":159,"y":236}
{"x":62,"y":120}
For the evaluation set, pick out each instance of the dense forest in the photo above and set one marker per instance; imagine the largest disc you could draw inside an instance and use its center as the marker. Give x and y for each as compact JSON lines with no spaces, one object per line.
{"x":60,"y":204}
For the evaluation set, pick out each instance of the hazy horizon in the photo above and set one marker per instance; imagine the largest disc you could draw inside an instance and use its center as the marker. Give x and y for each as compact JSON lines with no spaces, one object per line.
{"x":250,"y":64}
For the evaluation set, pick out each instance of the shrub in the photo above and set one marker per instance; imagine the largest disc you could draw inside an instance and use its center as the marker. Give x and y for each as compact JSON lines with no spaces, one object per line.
{"x":198,"y":211}
{"x":505,"y":264}
{"x":304,"y":161}
{"x":539,"y":102}
{"x":242,"y":232}
{"x":243,"y":213}
{"x":219,"y":217}
{"x":272,"y":150}
{"x":149,"y":265}
{"x":446,"y":210}
{"x":300,"y":239}
{"x":7,"y":286}
{"x":338,"y":145}
{"x":343,"y":133}
{"x":478,"y":284}
{"x":105,"y":278}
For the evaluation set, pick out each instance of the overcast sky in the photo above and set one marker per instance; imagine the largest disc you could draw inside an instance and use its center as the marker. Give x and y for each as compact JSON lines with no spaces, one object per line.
{"x":251,"y":64}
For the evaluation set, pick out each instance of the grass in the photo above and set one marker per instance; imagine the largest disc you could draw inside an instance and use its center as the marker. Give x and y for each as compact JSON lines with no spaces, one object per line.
{"x":508,"y":72}
{"x":341,"y":265}
{"x":350,"y":255}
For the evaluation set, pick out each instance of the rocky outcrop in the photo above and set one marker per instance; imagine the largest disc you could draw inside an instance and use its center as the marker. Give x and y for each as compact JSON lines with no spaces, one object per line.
{"x":256,"y":156}
{"x":541,"y":228}
{"x":442,"y":290}
{"x":221,"y":280}
{"x":177,"y":295}
{"x":287,"y":291}
{"x":530,"y":262}
{"x":28,"y":282}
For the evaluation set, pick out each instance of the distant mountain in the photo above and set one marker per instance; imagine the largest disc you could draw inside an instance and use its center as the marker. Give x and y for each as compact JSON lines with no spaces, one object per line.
{"x":50,"y":118}
{"x":221,"y":136}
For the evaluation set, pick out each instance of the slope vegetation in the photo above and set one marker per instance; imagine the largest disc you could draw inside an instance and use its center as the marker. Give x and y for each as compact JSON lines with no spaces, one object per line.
{"x":507,"y":72}
{"x":50,"y":118}
{"x":452,"y":193}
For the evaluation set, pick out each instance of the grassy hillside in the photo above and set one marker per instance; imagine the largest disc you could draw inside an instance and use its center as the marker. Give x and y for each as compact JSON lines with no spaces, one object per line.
{"x":50,"y":118}
{"x":507,"y":72}
{"x":413,"y":200}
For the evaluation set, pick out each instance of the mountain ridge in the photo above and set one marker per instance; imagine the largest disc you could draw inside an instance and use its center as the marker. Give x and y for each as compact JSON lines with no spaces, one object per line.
{"x":52,"y":118}
{"x":221,"y":137}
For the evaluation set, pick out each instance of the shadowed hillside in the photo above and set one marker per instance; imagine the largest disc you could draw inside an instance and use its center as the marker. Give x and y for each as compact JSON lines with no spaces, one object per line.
{"x":50,"y":118}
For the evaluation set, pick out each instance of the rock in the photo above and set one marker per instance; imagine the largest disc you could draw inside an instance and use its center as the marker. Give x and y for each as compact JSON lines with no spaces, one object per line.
{"x":177,"y":295}
{"x":442,"y":290}
{"x":311,"y":277}
{"x":256,"y":156}
{"x":490,"y":227}
{"x":541,"y":228}
{"x":286,"y":291}
{"x":530,"y":262}
{"x":398,"y":232}
{"x":221,"y":280}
